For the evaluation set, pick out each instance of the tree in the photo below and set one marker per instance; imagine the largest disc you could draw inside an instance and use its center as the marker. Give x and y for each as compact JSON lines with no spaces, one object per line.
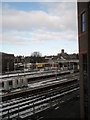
{"x":36,"y":57}
{"x":36,"y":54}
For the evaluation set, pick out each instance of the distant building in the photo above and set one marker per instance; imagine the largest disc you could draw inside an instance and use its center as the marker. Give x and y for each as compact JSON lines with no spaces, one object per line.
{"x":7,"y":62}
{"x":27,"y":59}
{"x":64,"y":55}
{"x":19,"y":59}
{"x":84,"y":57}
{"x":62,"y":51}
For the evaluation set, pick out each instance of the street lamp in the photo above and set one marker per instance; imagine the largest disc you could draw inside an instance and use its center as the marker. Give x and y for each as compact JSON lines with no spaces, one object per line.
{"x":7,"y":66}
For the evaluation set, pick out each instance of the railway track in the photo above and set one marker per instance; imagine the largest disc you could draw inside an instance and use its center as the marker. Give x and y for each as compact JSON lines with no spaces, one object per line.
{"x":42,"y":84}
{"x":30,"y":105}
{"x":39,"y":96}
{"x":11,"y":82}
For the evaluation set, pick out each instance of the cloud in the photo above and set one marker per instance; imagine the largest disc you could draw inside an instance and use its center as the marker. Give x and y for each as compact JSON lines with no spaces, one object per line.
{"x":31,"y":20}
{"x":59,"y":23}
{"x":40,"y":35}
{"x":41,"y":0}
{"x":59,"y":18}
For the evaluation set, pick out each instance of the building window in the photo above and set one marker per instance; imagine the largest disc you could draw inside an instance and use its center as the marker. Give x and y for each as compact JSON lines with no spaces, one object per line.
{"x":85,"y":86}
{"x":83,"y":22}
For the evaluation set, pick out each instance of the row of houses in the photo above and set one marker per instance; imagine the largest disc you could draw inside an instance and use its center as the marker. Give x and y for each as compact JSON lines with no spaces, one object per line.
{"x":9,"y":62}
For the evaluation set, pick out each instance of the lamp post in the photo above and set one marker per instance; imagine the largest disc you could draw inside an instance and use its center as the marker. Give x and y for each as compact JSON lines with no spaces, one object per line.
{"x":8,"y":66}
{"x":56,"y":71}
{"x":18,"y":111}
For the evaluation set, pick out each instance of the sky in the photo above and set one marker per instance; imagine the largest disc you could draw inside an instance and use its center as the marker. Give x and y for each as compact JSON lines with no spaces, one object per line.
{"x":46,"y":27}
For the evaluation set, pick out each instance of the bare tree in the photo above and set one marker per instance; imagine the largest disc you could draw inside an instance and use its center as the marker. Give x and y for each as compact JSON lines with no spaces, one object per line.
{"x":36,"y":54}
{"x":36,"y":57}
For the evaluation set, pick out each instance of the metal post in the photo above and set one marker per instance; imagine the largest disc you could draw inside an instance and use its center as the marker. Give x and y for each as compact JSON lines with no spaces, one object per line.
{"x":7,"y":66}
{"x":56,"y":75}
{"x":33,"y":110}
{"x":8,"y":114}
{"x":50,"y":103}
{"x":18,"y":111}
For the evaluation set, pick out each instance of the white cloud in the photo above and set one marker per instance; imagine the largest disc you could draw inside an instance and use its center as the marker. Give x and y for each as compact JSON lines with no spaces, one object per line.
{"x":58,"y":24}
{"x":59,"y":18}
{"x":35,"y":19}
{"x":40,"y":35}
{"x":41,"y":0}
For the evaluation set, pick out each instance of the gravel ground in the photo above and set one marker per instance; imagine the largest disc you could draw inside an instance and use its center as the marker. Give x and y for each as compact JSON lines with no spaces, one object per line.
{"x":68,"y":111}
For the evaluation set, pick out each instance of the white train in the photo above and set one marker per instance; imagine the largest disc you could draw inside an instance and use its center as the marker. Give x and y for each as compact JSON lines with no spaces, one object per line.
{"x":23,"y":81}
{"x":14,"y":83}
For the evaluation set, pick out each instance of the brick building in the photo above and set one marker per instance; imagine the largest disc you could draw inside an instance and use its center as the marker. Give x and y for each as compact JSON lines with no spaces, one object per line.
{"x":84,"y":57}
{"x":7,"y":61}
